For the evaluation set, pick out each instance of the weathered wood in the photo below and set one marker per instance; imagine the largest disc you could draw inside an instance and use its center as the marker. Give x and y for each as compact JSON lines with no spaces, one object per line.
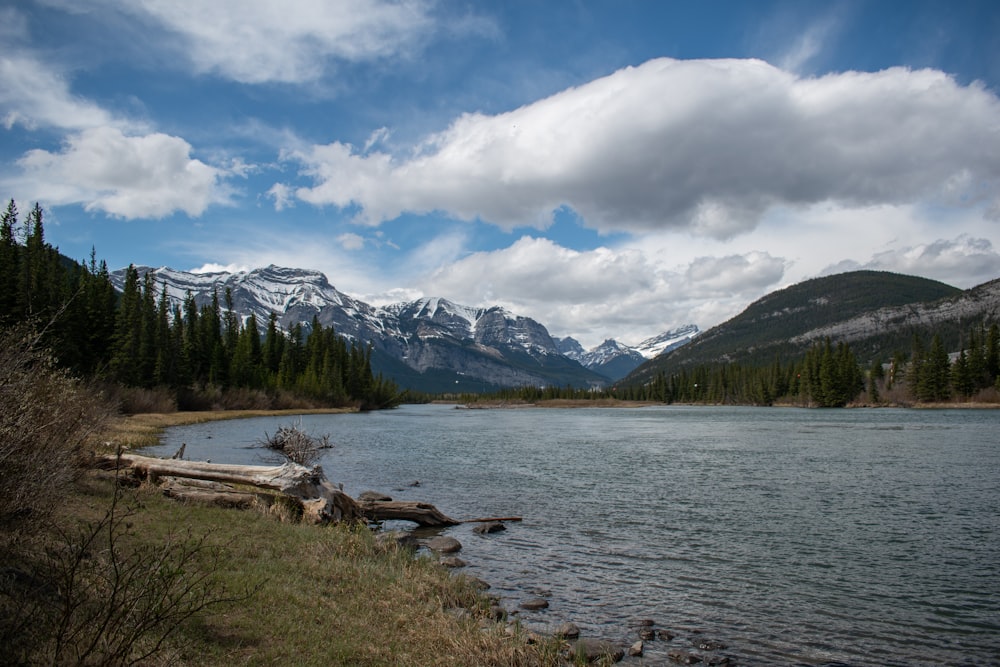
{"x":491,"y":519}
{"x":423,"y":514}
{"x":321,"y":501}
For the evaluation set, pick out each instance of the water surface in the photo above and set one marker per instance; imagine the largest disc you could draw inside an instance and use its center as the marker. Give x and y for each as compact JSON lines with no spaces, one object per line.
{"x":867,"y":537}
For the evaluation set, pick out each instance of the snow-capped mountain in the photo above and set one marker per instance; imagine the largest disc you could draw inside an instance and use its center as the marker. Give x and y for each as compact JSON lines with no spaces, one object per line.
{"x":431,"y":344}
{"x":615,"y":360}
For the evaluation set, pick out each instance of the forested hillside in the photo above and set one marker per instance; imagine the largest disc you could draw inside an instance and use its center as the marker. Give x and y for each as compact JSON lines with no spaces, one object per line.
{"x":779,"y":324}
{"x":201,"y":357}
{"x":866,"y":336}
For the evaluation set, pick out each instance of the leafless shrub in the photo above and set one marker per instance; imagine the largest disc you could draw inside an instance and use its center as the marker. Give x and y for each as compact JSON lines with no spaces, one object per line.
{"x":45,"y":415}
{"x":301,"y":447}
{"x":99,"y":596}
{"x":140,"y":400}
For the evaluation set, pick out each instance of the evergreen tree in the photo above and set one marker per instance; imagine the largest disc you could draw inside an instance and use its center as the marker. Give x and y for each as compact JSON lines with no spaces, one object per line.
{"x":9,"y":266}
{"x":915,"y":370}
{"x":935,"y":378}
{"x":128,"y":326}
{"x":961,"y":377}
{"x":875,"y":375}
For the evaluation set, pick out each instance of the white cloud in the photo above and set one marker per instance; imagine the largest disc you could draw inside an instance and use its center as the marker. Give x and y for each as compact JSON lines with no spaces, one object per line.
{"x":963,"y":261}
{"x":351,"y":241}
{"x":282,"y":196}
{"x":34,"y":95}
{"x":256,"y":41}
{"x":706,"y":146}
{"x":623,"y":293}
{"x":734,"y":274}
{"x":148,"y":176}
{"x":220,"y":268}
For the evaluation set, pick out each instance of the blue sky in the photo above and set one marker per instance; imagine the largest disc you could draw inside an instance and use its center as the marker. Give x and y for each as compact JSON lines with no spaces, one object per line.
{"x":611,"y":169}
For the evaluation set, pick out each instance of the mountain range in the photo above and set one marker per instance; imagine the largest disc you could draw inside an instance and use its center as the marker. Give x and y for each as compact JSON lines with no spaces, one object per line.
{"x":431,"y":344}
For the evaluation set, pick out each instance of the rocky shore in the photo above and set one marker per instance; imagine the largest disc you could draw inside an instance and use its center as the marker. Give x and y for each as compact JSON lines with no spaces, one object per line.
{"x":642,"y":641}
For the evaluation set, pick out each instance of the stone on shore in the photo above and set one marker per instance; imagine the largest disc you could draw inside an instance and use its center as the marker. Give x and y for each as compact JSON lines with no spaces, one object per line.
{"x":596,"y":651}
{"x":400,"y":538}
{"x":444,"y":544}
{"x":452,"y":561}
{"x":635,"y":650}
{"x":567,"y":631}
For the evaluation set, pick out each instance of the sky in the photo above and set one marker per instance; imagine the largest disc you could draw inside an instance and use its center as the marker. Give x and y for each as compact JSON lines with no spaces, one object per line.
{"x":612,"y":169}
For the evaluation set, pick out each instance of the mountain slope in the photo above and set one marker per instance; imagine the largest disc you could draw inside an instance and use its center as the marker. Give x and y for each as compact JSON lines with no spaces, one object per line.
{"x":877,"y":312}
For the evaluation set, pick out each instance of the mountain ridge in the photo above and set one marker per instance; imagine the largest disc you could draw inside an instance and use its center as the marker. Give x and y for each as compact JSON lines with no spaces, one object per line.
{"x":430,"y":344}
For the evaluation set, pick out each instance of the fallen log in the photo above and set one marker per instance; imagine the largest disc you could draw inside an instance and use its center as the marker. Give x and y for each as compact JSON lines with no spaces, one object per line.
{"x":320,"y":500}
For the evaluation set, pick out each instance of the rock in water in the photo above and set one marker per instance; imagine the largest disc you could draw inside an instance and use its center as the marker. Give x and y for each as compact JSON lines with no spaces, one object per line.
{"x":535,"y":604}
{"x":444,"y":544}
{"x":490,"y":527}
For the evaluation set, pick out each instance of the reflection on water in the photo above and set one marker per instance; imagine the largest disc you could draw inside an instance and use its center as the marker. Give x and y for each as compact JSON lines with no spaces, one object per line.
{"x":792,"y":536}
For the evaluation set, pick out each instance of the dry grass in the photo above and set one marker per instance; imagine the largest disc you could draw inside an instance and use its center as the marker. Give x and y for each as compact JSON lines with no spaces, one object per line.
{"x":144,"y":430}
{"x":323,"y":596}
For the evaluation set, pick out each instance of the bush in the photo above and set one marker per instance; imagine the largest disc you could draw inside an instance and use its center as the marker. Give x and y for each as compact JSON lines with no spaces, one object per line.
{"x":45,"y":416}
{"x":102,"y":595}
{"x":299,"y":446}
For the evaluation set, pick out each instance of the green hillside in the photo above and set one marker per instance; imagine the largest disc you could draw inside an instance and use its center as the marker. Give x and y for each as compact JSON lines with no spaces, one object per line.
{"x":767,"y":328}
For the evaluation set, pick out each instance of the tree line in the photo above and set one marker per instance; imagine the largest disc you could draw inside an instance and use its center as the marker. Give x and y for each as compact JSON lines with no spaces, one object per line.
{"x":827,"y":375}
{"x":137,"y":339}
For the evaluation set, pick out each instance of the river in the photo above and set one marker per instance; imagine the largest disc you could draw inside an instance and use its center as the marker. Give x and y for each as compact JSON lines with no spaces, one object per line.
{"x":790,"y":536}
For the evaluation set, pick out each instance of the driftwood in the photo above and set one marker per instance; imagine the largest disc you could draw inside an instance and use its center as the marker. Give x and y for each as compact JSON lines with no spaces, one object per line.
{"x":321,"y":502}
{"x":423,"y":514}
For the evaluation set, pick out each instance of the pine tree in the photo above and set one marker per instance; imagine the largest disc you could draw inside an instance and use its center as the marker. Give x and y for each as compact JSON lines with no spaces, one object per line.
{"x":128,"y":325}
{"x":915,"y":370}
{"x":961,"y":377}
{"x":935,"y":379}
{"x":9,"y":265}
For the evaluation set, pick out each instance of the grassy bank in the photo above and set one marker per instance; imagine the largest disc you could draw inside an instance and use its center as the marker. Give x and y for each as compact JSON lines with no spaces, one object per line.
{"x":312,"y":595}
{"x":143,"y":430}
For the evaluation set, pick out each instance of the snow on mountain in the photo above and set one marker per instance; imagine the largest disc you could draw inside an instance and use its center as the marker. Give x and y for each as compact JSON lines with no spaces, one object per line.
{"x":616,"y":360}
{"x":667,"y":341}
{"x":571,"y":348}
{"x":430,"y":335}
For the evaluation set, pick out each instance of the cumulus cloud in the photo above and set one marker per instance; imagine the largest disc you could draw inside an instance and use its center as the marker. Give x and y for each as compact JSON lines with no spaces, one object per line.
{"x":734,"y":274}
{"x":596,"y":294}
{"x":707,"y":146}
{"x":257,"y":41}
{"x":963,"y":261}
{"x":149,"y":176}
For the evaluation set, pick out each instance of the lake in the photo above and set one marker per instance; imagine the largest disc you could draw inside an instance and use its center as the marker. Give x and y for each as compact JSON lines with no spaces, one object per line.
{"x":791,"y":536}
